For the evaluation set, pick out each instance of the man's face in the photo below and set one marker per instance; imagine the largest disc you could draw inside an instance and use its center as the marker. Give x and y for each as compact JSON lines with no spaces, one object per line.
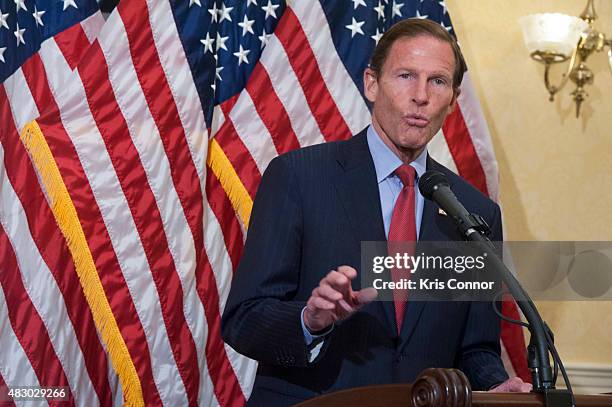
{"x":412,"y":94}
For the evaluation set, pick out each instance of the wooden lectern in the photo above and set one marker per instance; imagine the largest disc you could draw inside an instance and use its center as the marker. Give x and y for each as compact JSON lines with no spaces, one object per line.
{"x":439,"y":388}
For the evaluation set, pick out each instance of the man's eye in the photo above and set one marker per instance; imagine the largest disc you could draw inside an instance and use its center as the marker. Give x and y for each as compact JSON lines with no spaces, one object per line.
{"x":439,"y":81}
{"x":406,"y":75}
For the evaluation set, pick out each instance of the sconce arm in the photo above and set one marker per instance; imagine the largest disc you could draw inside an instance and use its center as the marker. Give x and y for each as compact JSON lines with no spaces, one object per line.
{"x":552,"y":89}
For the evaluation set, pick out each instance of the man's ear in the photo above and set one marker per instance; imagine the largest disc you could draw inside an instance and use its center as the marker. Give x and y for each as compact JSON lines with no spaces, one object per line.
{"x":453,"y":103}
{"x":370,"y":84}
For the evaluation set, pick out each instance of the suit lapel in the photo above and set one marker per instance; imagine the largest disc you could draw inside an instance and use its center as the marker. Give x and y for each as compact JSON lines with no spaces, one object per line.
{"x":357,"y":189}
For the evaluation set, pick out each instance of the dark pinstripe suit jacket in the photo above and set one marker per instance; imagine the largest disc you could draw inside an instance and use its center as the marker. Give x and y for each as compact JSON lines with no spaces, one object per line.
{"x":313,"y":208}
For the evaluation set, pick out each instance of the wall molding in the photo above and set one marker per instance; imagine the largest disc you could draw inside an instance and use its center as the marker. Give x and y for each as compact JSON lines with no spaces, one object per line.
{"x":588,"y":378}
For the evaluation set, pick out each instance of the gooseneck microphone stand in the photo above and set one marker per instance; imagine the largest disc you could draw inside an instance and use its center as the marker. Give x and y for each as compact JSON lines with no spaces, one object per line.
{"x":434,"y":186}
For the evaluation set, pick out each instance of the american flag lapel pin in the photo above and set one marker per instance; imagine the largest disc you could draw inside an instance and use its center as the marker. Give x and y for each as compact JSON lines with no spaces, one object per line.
{"x":441,"y":212}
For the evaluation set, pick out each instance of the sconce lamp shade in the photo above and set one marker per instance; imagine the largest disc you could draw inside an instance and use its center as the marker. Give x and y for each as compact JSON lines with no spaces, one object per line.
{"x":552,"y":32}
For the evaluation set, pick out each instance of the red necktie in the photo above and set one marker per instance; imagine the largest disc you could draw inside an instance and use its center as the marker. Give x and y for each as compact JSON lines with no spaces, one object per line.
{"x":402,"y":229}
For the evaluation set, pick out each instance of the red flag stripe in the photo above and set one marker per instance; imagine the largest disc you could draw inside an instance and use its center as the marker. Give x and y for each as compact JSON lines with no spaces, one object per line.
{"x":4,"y":387}
{"x":145,"y":212}
{"x":462,"y":149}
{"x":227,"y":388}
{"x":73,"y":43}
{"x":185,"y":178}
{"x":239,"y":156}
{"x":514,"y":341}
{"x":322,"y":105}
{"x":226,"y":216}
{"x":271,"y":110}
{"x":65,"y":275}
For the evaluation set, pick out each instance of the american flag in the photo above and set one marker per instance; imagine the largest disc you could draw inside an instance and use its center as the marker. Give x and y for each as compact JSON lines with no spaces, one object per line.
{"x":124,"y":206}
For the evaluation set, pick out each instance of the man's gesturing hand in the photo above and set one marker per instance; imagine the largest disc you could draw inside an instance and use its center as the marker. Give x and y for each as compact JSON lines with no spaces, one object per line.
{"x":334,"y":299}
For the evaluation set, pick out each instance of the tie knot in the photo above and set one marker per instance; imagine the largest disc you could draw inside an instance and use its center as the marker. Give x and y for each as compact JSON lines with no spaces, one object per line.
{"x":406,"y":173}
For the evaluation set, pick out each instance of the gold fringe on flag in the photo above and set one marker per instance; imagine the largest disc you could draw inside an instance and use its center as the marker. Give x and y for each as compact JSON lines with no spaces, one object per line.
{"x":67,"y":219}
{"x":230,"y":181}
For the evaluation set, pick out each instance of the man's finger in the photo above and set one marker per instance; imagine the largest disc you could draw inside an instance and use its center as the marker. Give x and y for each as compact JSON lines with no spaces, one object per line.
{"x":348,"y":271}
{"x":365,"y":296}
{"x":320,"y":303}
{"x":327,"y":292}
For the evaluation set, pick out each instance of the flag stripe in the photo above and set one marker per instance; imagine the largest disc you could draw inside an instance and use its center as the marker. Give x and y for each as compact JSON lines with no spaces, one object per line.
{"x":304,"y":64}
{"x":15,"y":365}
{"x":24,"y":318}
{"x":222,"y":209}
{"x":286,"y":86}
{"x":252,"y":131}
{"x":144,"y":209}
{"x":3,"y":385}
{"x":237,"y":153}
{"x":73,"y":43}
{"x":460,"y":145}
{"x":271,"y":111}
{"x":18,"y":98}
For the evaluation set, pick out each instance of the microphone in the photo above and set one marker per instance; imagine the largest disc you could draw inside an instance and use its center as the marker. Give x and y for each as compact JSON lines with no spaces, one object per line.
{"x":435,"y":186}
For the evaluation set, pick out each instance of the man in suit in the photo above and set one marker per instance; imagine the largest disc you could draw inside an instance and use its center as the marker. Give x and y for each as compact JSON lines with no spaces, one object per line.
{"x":296,"y":304}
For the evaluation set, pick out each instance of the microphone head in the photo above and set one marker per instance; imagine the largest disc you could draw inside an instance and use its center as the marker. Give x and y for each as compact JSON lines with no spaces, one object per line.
{"x":430,"y":180}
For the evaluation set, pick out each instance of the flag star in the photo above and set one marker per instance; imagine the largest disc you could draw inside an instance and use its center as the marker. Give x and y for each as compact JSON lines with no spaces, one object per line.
{"x":20,"y":4}
{"x":196,"y":2}
{"x":2,"y":49}
{"x":247,"y":26}
{"x":19,"y":35}
{"x":443,"y":5}
{"x":264,"y":38}
{"x":38,"y":16}
{"x":449,"y":28}
{"x":396,"y":9}
{"x":380,"y":9}
{"x":242,"y":55}
{"x":218,"y":72}
{"x":376,"y":37}
{"x":221,"y":42}
{"x":3,"y":18}
{"x":224,"y":13}
{"x":251,"y":1}
{"x":208,"y":43}
{"x":270,"y":9}
{"x":68,"y":3}
{"x":357,"y":3}
{"x":355,"y":27}
{"x":213,"y":12}
{"x":422,"y":17}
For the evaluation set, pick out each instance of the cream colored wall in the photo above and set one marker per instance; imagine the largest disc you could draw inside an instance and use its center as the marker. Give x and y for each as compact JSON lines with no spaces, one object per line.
{"x":556,"y":170}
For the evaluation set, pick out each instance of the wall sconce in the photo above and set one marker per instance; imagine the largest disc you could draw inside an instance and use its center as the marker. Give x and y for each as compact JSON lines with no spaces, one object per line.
{"x":553,"y":38}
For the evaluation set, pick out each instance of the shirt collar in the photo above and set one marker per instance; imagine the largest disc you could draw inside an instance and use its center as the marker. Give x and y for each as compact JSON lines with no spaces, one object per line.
{"x":385,"y":160}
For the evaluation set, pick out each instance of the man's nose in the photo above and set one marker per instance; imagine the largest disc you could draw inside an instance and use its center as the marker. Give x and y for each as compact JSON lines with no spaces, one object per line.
{"x":421,"y":93}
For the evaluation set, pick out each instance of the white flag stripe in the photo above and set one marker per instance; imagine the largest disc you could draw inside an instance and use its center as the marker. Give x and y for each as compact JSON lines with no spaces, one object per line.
{"x":20,"y":99}
{"x":343,"y":90}
{"x":124,"y":238}
{"x":146,"y":139}
{"x":175,"y":65}
{"x":222,"y":269}
{"x":479,"y":133}
{"x":438,"y":150}
{"x":287,"y":87}
{"x":92,"y":26}
{"x":56,"y":68}
{"x":252,"y":131}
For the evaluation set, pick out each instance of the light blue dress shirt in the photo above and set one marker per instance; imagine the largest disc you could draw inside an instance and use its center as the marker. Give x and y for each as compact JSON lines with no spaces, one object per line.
{"x":389,"y":187}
